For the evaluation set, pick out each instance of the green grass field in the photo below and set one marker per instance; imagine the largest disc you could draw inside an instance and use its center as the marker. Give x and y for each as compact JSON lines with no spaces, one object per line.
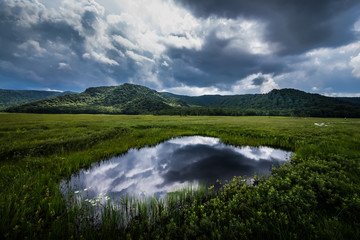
{"x":315,"y":196}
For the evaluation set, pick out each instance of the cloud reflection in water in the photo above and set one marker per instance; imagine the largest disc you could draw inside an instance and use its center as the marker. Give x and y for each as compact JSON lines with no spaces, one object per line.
{"x":175,"y":164}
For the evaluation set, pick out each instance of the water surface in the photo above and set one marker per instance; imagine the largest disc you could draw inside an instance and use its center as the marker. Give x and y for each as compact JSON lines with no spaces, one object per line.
{"x":172,"y":165}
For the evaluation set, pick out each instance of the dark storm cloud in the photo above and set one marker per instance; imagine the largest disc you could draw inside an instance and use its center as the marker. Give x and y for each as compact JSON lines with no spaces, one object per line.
{"x":258,"y":81}
{"x":223,"y":45}
{"x":88,"y":20}
{"x":297,"y":25}
{"x":40,"y":47}
{"x":216,"y":65}
{"x":25,"y":45}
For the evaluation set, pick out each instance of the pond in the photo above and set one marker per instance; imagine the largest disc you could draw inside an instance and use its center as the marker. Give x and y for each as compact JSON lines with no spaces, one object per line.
{"x":172,"y":165}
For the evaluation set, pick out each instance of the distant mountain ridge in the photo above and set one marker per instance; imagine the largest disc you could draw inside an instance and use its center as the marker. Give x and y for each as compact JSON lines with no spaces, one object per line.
{"x":278,"y":102}
{"x":10,"y":98}
{"x":355,"y":100}
{"x":280,"y":99}
{"x":137,"y":99}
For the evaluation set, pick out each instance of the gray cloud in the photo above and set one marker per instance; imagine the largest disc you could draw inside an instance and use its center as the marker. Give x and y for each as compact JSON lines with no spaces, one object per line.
{"x":258,"y":81}
{"x":297,"y":25}
{"x":208,"y":47}
{"x":37,"y":40}
{"x":88,"y":21}
{"x":215,"y":65}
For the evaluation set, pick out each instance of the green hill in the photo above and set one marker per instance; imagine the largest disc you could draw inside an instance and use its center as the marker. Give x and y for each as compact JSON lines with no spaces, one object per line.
{"x":136,"y":99}
{"x":10,"y":98}
{"x":291,"y":101}
{"x":204,"y":101}
{"x":284,"y":102}
{"x":123,"y":99}
{"x":355,"y":100}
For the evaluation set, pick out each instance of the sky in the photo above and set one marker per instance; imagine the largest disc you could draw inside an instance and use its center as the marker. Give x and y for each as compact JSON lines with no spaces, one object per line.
{"x":182,"y":46}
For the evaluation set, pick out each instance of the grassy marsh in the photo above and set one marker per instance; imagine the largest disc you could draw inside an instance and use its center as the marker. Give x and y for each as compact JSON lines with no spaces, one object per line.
{"x":316,"y":196}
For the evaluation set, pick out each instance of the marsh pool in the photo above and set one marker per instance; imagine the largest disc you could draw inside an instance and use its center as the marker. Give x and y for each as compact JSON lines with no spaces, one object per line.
{"x":172,"y":165}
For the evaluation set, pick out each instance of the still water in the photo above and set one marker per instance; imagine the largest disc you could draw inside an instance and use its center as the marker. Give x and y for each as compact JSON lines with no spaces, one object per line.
{"x":172,"y":165}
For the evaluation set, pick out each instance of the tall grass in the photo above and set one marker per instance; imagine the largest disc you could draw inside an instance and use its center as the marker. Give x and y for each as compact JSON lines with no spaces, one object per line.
{"x":316,"y":196}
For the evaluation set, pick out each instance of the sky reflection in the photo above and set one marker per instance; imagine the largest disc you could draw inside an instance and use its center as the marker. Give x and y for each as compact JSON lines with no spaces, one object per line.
{"x":172,"y":165}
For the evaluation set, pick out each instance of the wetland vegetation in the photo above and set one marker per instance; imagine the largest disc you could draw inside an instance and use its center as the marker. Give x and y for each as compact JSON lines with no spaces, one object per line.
{"x":316,"y":195}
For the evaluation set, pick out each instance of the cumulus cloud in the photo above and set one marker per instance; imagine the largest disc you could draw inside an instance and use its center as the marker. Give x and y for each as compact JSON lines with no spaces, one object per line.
{"x":254,"y":83}
{"x":165,"y":64}
{"x":315,"y":89}
{"x":296,"y":26}
{"x":124,"y":42}
{"x":196,"y":91}
{"x":328,"y":69}
{"x":52,"y":90}
{"x":138,"y":58}
{"x":48,"y":38}
{"x":30,"y":47}
{"x":199,"y":47}
{"x":243,"y":35}
{"x":63,"y":65}
{"x":150,"y":26}
{"x":341,"y":94}
{"x":355,"y":64}
{"x":86,"y":17}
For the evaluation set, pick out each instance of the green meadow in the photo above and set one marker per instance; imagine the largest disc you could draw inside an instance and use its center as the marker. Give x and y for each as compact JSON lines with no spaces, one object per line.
{"x":315,"y":196}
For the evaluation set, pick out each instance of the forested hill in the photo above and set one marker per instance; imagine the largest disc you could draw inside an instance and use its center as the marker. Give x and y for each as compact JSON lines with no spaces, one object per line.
{"x":355,"y":100}
{"x":284,"y":102}
{"x":136,"y":99}
{"x":279,"y":99}
{"x":204,"y":101}
{"x":123,"y":99}
{"x":276,"y":99}
{"x":10,"y":98}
